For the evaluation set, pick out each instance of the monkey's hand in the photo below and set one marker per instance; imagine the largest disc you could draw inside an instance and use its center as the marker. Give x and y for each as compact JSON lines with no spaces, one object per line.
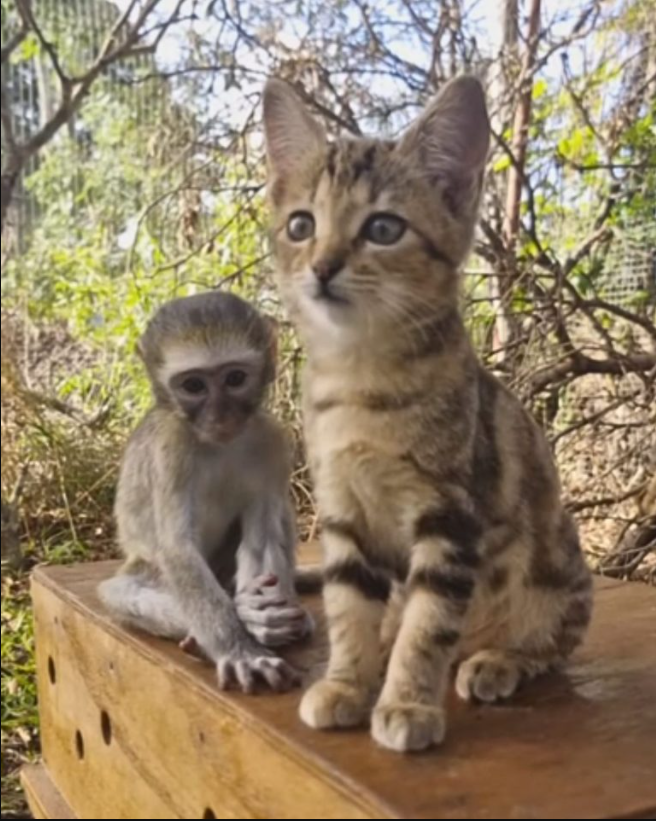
{"x":270,"y":617}
{"x":243,"y":667}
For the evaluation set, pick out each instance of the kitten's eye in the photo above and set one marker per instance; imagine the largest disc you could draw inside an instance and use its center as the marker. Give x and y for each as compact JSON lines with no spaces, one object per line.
{"x":384,"y":229}
{"x":194,"y":385}
{"x":300,"y":226}
{"x":235,"y":378}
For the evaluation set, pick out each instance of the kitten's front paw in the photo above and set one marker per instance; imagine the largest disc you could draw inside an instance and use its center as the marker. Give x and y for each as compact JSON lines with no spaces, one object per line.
{"x":332,"y":704}
{"x":408,"y":727}
{"x":487,"y":676}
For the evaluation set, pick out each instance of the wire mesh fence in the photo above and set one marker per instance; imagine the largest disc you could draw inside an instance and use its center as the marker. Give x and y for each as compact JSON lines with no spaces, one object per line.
{"x":78,"y":29}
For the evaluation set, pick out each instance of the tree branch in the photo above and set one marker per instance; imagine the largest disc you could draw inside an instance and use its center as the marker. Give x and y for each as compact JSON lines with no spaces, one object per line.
{"x":578,"y":364}
{"x":24,"y":8}
{"x":7,"y":120}
{"x":586,"y":504}
{"x":14,"y":41}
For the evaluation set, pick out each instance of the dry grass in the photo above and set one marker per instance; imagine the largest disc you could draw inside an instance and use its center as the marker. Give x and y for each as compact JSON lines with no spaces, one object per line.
{"x":58,"y":473}
{"x":606,"y":465}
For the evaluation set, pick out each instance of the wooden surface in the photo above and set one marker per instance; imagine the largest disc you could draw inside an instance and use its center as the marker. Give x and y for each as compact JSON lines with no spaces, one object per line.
{"x":43,"y":797}
{"x":159,"y":741}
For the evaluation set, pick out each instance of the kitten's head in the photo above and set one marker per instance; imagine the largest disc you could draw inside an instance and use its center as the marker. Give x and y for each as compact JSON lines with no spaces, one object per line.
{"x":369,"y":234}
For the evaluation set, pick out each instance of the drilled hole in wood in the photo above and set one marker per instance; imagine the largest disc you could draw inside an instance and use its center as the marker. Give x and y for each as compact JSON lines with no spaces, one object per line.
{"x":106,"y":727}
{"x":52,"y":670}
{"x":79,"y":745}
{"x":209,"y":813}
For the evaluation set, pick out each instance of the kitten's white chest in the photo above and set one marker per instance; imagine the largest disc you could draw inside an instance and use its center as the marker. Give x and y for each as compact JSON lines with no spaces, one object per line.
{"x":359,"y":458}
{"x":361,"y":477}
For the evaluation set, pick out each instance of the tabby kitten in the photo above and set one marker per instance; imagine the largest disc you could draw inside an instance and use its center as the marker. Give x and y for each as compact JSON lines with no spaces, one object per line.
{"x":437,"y":491}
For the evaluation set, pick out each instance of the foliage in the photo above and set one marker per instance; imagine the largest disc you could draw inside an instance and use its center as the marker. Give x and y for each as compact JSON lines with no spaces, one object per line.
{"x":19,"y":707}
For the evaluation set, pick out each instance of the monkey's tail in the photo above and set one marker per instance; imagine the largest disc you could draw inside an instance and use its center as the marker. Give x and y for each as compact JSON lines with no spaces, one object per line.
{"x":308,"y":579}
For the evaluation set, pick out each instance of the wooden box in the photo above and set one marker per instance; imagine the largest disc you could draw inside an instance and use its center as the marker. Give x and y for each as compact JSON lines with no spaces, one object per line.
{"x":132,"y":728}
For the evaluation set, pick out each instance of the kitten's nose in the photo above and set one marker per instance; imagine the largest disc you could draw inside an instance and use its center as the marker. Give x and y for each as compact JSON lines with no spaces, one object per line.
{"x":326,"y":269}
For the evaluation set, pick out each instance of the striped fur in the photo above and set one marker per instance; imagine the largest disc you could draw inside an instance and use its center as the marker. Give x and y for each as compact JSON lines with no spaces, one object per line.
{"x":429,"y":474}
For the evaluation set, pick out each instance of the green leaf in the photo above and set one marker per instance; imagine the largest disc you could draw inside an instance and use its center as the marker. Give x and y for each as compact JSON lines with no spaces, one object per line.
{"x":501,"y":164}
{"x":540,"y":88}
{"x":27,"y":50}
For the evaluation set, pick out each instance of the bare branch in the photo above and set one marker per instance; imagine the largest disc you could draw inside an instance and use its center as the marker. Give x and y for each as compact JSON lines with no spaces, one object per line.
{"x":24,"y":8}
{"x":578,"y":364}
{"x":618,"y":310}
{"x":589,"y":420}
{"x":112,"y":51}
{"x":7,"y":120}
{"x":12,"y":44}
{"x":520,"y":127}
{"x":603,"y":501}
{"x":599,"y":235}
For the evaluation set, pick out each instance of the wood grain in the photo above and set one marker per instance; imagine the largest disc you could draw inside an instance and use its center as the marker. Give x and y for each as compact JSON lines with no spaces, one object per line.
{"x":43,"y":797}
{"x":161,"y":742}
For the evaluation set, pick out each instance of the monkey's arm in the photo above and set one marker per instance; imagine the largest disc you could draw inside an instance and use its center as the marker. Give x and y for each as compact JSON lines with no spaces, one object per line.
{"x":266,"y":596}
{"x":214,"y":623}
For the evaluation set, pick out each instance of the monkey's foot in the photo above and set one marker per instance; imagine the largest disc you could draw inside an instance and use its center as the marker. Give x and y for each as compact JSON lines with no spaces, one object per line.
{"x":269,"y":617}
{"x":190,"y":646}
{"x":331,"y":704}
{"x":244,"y":670}
{"x":407,"y":727}
{"x":488,"y":676}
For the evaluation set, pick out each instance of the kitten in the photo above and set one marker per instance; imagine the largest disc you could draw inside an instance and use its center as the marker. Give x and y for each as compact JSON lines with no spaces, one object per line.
{"x":432,"y":481}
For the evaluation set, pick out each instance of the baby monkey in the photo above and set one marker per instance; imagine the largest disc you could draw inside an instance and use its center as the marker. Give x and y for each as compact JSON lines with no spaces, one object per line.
{"x":202,"y":507}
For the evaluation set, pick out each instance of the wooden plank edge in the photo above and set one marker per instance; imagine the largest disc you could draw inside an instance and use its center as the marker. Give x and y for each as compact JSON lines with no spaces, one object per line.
{"x":43,"y":797}
{"x":348,"y":787}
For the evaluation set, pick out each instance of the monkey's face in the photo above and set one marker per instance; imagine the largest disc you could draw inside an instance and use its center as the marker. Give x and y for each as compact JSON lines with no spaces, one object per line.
{"x":218,"y":401}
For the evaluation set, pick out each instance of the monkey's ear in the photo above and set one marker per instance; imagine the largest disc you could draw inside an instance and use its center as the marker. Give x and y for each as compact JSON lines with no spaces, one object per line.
{"x":291,"y":133}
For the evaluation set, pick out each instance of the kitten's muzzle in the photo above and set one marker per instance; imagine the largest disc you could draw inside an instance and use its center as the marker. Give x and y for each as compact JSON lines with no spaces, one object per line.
{"x":324,"y":292}
{"x":326,"y":269}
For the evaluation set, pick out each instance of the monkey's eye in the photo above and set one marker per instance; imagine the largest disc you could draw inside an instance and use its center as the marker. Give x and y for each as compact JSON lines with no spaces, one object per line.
{"x":300,"y":226}
{"x":384,"y":229}
{"x":194,"y":385}
{"x":235,"y":378}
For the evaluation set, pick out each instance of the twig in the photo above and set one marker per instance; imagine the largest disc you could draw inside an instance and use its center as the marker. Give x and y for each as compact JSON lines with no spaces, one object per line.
{"x":24,"y":8}
{"x":14,"y":41}
{"x":578,"y":364}
{"x":604,"y":501}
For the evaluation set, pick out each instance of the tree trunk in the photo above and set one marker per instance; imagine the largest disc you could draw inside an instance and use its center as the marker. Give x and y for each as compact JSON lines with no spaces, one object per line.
{"x":501,"y":84}
{"x":520,"y":130}
{"x":10,"y":177}
{"x":502,"y":284}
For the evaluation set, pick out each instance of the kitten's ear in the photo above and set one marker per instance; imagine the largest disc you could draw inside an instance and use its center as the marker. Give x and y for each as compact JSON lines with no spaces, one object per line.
{"x":451,"y":140}
{"x":291,"y":133}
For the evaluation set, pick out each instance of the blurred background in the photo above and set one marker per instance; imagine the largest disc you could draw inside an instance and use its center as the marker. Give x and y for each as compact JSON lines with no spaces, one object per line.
{"x":132,"y":171}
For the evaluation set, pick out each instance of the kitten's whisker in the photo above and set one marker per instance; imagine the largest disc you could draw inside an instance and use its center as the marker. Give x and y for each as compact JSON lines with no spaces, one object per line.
{"x":400,"y":312}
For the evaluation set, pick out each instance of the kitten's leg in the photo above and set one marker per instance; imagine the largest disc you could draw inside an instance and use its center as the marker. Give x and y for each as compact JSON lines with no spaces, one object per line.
{"x":547,"y":626}
{"x":354,"y":597}
{"x":409,"y":714}
{"x":549,"y":607}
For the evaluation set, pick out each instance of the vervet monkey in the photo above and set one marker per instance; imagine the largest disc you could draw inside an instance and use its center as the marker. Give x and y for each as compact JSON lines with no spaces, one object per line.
{"x":202,"y":507}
